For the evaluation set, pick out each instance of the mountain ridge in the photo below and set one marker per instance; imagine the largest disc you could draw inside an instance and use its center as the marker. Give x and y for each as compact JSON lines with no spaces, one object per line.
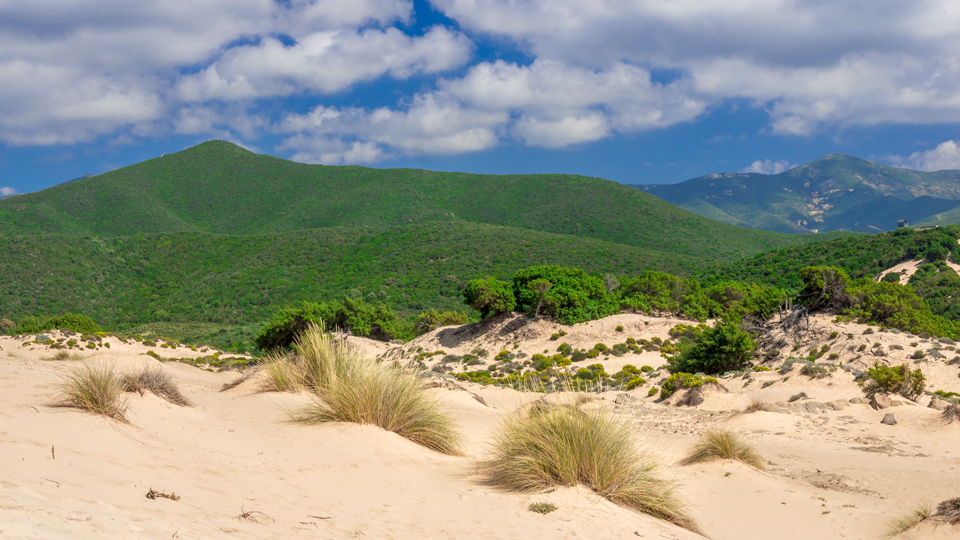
{"x":834,"y":192}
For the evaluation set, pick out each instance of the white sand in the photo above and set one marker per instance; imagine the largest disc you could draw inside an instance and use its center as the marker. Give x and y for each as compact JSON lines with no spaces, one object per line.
{"x":235,"y":452}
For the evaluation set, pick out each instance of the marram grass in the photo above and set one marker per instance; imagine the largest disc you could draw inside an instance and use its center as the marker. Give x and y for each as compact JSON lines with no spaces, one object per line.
{"x":717,"y":444}
{"x":563,"y":444}
{"x":97,"y":388}
{"x":904,"y":523}
{"x":158,"y":382}
{"x":349,"y":387}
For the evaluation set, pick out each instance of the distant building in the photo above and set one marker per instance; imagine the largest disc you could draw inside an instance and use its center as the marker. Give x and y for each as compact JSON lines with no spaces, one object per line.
{"x":902,"y":223}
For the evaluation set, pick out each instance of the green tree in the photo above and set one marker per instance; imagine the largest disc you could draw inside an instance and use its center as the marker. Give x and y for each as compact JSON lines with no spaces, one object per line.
{"x":489,"y":296}
{"x":575,"y":296}
{"x":723,"y":347}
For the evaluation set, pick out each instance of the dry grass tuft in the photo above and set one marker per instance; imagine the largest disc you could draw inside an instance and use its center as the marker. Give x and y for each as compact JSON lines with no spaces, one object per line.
{"x":949,"y":511}
{"x":911,"y":520}
{"x":158,"y":382}
{"x":562,"y":444}
{"x":757,"y":403}
{"x":97,"y":388}
{"x":64,"y":355}
{"x":951,"y":413}
{"x":352,"y":388}
{"x":723,"y":444}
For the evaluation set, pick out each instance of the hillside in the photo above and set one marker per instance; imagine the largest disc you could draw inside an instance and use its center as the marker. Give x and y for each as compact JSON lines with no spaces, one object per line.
{"x":220,"y":188}
{"x":236,"y":282}
{"x":835,"y":192}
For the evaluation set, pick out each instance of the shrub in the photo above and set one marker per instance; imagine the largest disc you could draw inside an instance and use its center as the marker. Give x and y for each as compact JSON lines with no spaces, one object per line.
{"x":541,"y":507}
{"x":619,"y":328}
{"x":652,"y":392}
{"x":761,"y":368}
{"x":352,"y":388}
{"x":723,"y":444}
{"x":918,"y":354}
{"x":97,"y":388}
{"x":815,"y":372}
{"x":159,"y":383}
{"x":679,"y":381}
{"x":635,"y":382}
{"x":489,"y":296}
{"x":68,"y":321}
{"x":724,"y":347}
{"x":7,"y":326}
{"x":432,"y":319}
{"x":573,"y":296}
{"x":564,"y":445}
{"x":951,"y":413}
{"x":288,"y":323}
{"x":898,"y":380}
{"x":557,"y":335}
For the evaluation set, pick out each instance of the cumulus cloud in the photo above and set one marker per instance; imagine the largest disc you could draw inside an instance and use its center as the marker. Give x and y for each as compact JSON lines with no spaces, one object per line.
{"x":325,"y":62}
{"x":809,"y":63}
{"x":768,"y":166}
{"x":946,"y":156}
{"x":7,"y":191}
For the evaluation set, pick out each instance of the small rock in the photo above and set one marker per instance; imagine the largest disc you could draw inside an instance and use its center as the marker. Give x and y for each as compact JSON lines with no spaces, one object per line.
{"x":624,"y":399}
{"x":938,"y":404}
{"x":881,"y":401}
{"x":889,"y":419}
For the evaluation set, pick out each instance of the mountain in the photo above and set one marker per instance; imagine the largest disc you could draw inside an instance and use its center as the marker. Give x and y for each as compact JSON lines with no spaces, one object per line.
{"x":835,"y":192}
{"x":220,"y":188}
{"x":207,"y":243}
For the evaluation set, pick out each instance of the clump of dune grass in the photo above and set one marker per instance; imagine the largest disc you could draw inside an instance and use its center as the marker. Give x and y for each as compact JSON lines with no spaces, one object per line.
{"x":349,"y":387}
{"x":563,"y":444}
{"x":723,"y":444}
{"x":158,"y":382}
{"x":899,"y":525}
{"x":64,"y":355}
{"x":756,"y":404}
{"x":281,"y":374}
{"x":97,"y":388}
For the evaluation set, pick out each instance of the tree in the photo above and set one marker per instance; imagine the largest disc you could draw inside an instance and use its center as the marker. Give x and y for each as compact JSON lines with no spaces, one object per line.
{"x":540,"y":288}
{"x":489,"y":296}
{"x":724,"y":347}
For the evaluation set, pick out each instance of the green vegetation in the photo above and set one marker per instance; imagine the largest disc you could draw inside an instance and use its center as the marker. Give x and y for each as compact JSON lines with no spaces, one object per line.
{"x":847,"y":193}
{"x":898,"y":380}
{"x":97,"y":388}
{"x":542,"y":507}
{"x":718,"y":349}
{"x":67,"y":321}
{"x":679,"y":381}
{"x":723,"y":444}
{"x":564,"y":445}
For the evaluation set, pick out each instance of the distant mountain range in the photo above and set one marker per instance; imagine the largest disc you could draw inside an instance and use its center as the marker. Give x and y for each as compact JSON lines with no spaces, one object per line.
{"x":835,"y":192}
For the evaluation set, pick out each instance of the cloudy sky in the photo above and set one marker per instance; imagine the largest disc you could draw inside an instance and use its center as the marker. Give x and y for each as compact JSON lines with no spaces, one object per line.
{"x":637,"y":91}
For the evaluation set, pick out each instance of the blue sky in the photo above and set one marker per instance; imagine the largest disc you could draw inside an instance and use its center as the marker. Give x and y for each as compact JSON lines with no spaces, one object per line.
{"x":637,"y":91}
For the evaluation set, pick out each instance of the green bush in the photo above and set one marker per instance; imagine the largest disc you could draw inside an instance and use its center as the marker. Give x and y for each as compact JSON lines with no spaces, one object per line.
{"x":287,"y":324}
{"x":489,"y":296}
{"x":7,"y":326}
{"x":679,"y":381}
{"x":899,"y":380}
{"x":635,"y":382}
{"x":573,"y":296}
{"x":665,"y":294}
{"x":724,"y":347}
{"x":433,"y":319}
{"x":68,"y":321}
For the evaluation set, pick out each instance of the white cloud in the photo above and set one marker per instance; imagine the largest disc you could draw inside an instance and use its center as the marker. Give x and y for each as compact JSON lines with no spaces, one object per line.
{"x":946,"y":156}
{"x":809,"y":63}
{"x":768,"y":166}
{"x":7,"y":191}
{"x":325,"y":62}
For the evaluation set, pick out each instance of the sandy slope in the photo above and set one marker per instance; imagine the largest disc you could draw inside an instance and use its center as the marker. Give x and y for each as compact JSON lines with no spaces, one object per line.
{"x":831,"y":474}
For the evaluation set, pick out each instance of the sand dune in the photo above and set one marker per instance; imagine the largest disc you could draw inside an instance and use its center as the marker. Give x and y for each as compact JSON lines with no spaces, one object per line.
{"x":242,"y":470}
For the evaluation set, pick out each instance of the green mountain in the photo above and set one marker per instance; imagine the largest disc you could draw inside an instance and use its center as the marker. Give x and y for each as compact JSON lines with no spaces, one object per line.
{"x":205,"y":244}
{"x":835,"y":192}
{"x":220,"y":188}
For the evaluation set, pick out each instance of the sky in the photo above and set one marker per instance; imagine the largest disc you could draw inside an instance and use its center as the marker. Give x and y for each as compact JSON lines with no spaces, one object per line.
{"x":636,"y":91}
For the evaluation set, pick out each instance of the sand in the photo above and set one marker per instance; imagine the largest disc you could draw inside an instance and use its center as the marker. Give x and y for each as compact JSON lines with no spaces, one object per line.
{"x":242,"y":470}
